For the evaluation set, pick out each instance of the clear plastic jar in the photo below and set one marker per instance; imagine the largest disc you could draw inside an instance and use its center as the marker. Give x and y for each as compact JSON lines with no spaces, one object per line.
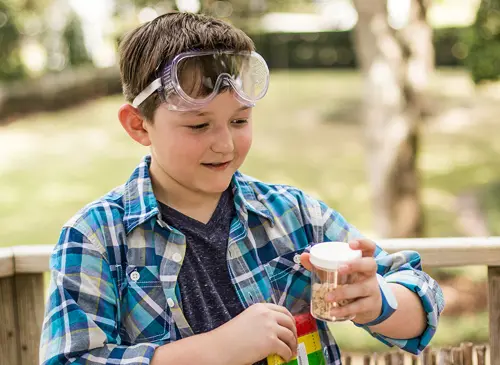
{"x":326,"y":258}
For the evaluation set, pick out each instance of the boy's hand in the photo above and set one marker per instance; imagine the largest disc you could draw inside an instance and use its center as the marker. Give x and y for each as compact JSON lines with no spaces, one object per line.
{"x":261,"y":330}
{"x":365,"y":292}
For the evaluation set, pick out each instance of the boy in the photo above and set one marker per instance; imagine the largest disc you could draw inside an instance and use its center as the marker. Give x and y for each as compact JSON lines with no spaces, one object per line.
{"x":192,"y":262}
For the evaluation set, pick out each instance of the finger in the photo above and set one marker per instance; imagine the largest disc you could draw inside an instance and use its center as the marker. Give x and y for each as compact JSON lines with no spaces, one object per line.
{"x":284,"y":317}
{"x":366,"y":266}
{"x":289,"y":338}
{"x":281,"y":309}
{"x":286,"y":322}
{"x":305,"y":261}
{"x":366,"y":246}
{"x":350,"y":292}
{"x":282,"y":349}
{"x":352,"y":309}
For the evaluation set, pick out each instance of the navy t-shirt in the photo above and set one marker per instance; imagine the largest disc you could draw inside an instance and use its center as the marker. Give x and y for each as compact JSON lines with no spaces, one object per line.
{"x":208,"y":296}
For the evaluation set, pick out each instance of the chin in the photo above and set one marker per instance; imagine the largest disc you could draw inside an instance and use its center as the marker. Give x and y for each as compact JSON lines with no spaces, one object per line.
{"x":216,"y":187}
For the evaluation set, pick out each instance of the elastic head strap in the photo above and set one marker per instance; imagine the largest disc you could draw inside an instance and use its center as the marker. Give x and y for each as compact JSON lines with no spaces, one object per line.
{"x":147,"y":92}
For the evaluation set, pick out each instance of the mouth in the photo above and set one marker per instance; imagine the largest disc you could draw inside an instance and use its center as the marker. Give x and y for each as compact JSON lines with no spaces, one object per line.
{"x":218,"y":166}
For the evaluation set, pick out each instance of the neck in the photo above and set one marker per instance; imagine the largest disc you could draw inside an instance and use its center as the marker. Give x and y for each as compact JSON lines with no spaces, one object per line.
{"x":195,"y":204}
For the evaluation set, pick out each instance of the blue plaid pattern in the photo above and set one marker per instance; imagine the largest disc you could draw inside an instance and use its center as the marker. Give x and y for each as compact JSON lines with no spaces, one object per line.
{"x":113,"y":296}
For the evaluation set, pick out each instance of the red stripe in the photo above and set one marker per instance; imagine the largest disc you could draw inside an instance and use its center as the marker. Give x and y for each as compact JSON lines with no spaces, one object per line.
{"x":305,"y":324}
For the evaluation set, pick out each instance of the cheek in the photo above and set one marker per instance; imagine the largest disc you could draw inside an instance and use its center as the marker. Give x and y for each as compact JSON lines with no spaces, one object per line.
{"x":175,"y":149}
{"x":243,"y":143}
{"x":187,"y":150}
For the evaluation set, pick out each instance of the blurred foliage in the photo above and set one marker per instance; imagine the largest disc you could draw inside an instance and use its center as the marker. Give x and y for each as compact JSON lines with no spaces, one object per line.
{"x":73,"y":37}
{"x":335,"y":48}
{"x":245,"y":14}
{"x":25,"y":22}
{"x":484,"y":43}
{"x":11,"y":66}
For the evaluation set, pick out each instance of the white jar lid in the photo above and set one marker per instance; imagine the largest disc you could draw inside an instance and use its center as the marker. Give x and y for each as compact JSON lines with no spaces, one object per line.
{"x":330,"y":255}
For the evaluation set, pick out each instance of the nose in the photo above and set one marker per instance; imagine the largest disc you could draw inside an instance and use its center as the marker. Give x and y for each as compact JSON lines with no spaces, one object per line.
{"x":223,"y":141}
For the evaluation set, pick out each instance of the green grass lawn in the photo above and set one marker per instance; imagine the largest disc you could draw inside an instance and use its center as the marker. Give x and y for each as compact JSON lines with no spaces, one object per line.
{"x":307,"y":133}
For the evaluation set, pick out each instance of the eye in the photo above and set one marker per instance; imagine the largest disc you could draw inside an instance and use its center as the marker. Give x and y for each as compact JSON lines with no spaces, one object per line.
{"x":198,"y":126}
{"x":240,"y":121}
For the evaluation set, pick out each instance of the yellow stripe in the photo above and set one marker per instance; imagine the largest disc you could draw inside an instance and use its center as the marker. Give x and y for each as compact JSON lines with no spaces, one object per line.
{"x":275,"y":360}
{"x":311,"y":341}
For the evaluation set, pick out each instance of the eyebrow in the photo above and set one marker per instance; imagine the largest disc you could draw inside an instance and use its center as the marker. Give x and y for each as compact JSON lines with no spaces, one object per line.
{"x":202,"y":114}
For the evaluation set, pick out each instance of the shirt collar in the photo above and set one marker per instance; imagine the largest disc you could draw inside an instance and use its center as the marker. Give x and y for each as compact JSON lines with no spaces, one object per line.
{"x":245,"y":196}
{"x":140,"y":202}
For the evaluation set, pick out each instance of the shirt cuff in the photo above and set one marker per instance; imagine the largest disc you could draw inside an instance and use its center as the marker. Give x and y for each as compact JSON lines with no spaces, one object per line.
{"x":432,"y":301}
{"x":389,"y":303}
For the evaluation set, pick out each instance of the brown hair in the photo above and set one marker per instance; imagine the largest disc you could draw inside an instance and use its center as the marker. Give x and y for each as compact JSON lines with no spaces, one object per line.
{"x":143,"y":49}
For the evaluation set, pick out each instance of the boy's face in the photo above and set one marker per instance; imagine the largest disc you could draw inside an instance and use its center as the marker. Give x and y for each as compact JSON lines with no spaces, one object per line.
{"x":200,"y":150}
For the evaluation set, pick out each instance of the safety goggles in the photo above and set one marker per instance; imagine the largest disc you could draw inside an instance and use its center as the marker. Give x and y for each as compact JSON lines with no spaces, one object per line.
{"x":193,"y":79}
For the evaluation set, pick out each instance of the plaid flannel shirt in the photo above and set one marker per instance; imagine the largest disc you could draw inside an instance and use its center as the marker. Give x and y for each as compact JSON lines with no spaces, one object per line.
{"x":113,"y":297}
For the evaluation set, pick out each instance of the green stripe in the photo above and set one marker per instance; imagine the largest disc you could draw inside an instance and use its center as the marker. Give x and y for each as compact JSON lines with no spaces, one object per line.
{"x":316,"y":358}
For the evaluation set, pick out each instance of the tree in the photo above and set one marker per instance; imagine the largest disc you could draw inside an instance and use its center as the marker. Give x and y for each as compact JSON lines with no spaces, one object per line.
{"x":484,"y":51}
{"x":395,"y":65}
{"x":11,"y":66}
{"x":246,"y":14}
{"x":74,"y":40}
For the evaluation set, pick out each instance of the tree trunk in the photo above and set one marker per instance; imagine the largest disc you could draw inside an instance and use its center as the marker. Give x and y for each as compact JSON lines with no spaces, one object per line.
{"x":395,"y":65}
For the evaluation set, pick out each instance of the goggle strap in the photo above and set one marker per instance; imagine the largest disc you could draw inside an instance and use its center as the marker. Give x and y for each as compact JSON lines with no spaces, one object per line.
{"x":147,"y":92}
{"x":167,"y":81}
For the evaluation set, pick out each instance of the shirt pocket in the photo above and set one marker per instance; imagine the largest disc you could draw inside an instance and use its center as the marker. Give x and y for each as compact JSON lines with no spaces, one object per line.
{"x":290,"y":282}
{"x":144,"y":313}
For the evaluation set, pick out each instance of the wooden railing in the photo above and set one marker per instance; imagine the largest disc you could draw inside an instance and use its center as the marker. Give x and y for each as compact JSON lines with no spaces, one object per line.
{"x":22,"y":288}
{"x":465,"y":354}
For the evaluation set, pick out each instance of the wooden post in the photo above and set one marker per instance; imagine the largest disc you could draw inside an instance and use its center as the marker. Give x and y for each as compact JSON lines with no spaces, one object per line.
{"x":467,"y":353}
{"x":9,"y":345}
{"x":348,"y":359}
{"x":444,"y":357}
{"x":388,"y":358}
{"x":481,"y":355}
{"x":9,"y":341}
{"x":457,"y":356}
{"x":398,"y":358}
{"x":494,"y":312}
{"x":366,"y":360}
{"x":30,"y":308}
{"x":427,"y":358}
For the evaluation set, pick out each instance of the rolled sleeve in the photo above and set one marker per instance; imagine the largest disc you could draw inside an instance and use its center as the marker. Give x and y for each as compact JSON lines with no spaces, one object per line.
{"x":432,"y":299}
{"x":80,"y":324}
{"x":402,"y":268}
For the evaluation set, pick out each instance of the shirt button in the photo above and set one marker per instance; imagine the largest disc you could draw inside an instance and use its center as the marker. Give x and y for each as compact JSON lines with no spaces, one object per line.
{"x":135,"y":276}
{"x":296,"y":259}
{"x":177,"y":257}
{"x":170,"y":302}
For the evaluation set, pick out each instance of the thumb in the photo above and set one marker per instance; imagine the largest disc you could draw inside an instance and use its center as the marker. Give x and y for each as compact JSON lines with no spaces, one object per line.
{"x":305,"y":261}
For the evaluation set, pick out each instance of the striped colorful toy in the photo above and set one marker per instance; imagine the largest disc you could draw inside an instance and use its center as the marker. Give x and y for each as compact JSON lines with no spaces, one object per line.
{"x":310,"y":351}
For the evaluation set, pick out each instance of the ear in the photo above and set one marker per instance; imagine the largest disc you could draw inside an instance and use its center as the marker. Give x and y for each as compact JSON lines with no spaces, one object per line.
{"x":133,"y":122}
